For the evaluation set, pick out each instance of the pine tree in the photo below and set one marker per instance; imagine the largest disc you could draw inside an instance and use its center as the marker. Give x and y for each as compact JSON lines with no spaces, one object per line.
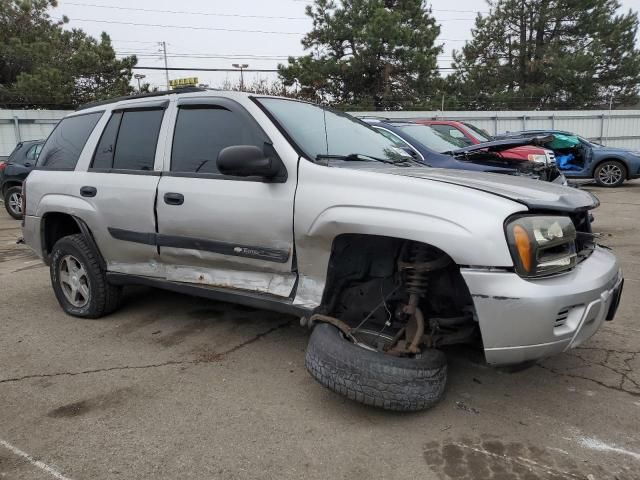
{"x":548,"y":54}
{"x":367,"y":53}
{"x":43,"y":65}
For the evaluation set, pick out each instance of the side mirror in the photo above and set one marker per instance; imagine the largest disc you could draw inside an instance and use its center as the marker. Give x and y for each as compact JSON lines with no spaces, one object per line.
{"x":247,"y":161}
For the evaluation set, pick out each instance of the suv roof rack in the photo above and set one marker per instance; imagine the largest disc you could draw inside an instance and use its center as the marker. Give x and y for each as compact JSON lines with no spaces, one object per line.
{"x":140,"y":95}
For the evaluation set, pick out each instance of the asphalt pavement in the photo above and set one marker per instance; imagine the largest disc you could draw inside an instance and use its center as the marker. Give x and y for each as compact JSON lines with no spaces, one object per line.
{"x":176,"y":387}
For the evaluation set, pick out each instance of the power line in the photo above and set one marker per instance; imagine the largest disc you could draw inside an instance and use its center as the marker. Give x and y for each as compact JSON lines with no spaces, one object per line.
{"x":194,"y":27}
{"x":189,"y":27}
{"x":198,"y":69}
{"x":230,"y":15}
{"x":433,"y":9}
{"x":182,"y":12}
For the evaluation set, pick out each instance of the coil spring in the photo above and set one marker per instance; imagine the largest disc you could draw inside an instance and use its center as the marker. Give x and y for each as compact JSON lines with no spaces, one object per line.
{"x":417,"y":280}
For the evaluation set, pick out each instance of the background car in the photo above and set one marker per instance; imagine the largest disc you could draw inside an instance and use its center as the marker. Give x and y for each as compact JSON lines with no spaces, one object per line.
{"x":442,"y":151}
{"x":469,"y":134}
{"x":608,"y":166}
{"x":14,"y":171}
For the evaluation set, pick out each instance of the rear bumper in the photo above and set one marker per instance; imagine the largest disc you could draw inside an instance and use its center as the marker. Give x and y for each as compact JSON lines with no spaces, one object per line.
{"x":523,"y":320}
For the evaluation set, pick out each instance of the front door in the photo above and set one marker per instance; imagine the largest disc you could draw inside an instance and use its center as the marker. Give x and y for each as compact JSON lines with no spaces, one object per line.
{"x":217,"y":230}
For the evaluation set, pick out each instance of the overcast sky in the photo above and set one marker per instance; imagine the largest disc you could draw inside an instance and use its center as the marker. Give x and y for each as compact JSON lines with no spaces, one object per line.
{"x":216,"y":33}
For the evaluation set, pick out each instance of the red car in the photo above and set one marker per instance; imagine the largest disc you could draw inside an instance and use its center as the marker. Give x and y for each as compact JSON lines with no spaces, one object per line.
{"x":471,"y":135}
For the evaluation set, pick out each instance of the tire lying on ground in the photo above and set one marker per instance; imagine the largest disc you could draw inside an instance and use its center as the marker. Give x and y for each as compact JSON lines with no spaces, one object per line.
{"x":374,"y":378}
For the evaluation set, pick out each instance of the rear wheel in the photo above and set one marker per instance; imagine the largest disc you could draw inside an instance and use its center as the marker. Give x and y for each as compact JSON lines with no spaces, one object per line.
{"x":610,"y":174}
{"x":13,"y":202}
{"x":80,"y":284}
{"x":359,"y":370}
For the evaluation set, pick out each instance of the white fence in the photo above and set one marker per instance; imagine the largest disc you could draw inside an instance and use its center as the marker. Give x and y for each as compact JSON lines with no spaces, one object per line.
{"x":619,"y":128}
{"x":20,"y":125}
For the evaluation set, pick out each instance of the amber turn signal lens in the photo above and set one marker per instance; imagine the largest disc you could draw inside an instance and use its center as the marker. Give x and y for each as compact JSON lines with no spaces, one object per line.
{"x":523,"y":245}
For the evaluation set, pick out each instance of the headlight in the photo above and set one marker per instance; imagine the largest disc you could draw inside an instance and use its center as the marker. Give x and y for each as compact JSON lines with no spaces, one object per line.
{"x":541,"y":245}
{"x":537,"y":158}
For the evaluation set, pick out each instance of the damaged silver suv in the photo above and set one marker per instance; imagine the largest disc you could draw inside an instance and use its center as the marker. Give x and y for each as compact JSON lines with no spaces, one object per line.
{"x":285,"y":205}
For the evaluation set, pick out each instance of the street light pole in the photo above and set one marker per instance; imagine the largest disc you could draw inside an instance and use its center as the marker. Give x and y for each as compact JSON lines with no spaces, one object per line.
{"x":241,"y":66}
{"x":138,"y":77}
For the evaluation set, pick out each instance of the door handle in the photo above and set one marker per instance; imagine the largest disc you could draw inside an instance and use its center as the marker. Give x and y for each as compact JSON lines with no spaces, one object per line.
{"x":171,"y":198}
{"x":88,"y":191}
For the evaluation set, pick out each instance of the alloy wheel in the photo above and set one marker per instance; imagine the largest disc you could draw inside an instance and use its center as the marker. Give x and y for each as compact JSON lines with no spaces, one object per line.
{"x":15,"y":203}
{"x":610,"y":174}
{"x":74,"y":281}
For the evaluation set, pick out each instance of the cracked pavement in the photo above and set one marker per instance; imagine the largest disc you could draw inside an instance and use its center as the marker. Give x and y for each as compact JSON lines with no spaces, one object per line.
{"x":172,"y":386}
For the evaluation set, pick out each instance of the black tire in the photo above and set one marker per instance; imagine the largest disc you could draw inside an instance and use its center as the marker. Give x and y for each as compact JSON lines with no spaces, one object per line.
{"x":610,"y":174}
{"x":10,"y":197}
{"x":103,"y":298}
{"x":372,"y":378}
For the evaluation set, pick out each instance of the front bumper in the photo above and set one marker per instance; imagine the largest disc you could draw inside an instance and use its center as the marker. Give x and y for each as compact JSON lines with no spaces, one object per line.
{"x":523,"y":320}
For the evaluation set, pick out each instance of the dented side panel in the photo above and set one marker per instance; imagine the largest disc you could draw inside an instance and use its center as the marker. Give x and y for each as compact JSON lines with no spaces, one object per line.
{"x":464,"y":223}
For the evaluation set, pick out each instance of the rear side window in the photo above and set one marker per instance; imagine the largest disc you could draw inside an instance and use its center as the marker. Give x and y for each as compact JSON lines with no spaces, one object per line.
{"x":129,"y":141}
{"x":137,"y":140}
{"x":34,"y":152}
{"x":103,"y":158}
{"x":202,"y":131}
{"x":64,"y":145}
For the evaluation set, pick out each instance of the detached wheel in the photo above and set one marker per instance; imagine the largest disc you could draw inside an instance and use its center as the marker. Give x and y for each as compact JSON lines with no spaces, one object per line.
{"x":79,"y":283}
{"x":13,"y":202}
{"x":610,"y":174}
{"x":372,"y":377}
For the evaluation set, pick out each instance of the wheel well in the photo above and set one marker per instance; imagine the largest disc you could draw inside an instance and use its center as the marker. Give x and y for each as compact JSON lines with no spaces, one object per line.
{"x":624,"y":165}
{"x":56,"y":225}
{"x":8,"y":185}
{"x":364,"y":270}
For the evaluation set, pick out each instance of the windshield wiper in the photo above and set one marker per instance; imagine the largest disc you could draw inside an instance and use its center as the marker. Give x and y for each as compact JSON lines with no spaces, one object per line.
{"x":358,"y":157}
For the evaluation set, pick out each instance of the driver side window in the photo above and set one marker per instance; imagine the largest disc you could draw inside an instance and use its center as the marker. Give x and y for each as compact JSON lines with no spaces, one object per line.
{"x":202,"y":131}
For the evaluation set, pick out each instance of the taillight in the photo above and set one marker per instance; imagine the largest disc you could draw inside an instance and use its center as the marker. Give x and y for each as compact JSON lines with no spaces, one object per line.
{"x":2,"y":165}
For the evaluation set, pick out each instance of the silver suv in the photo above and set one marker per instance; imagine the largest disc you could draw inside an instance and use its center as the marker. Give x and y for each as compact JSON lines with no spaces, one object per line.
{"x":289,"y":206}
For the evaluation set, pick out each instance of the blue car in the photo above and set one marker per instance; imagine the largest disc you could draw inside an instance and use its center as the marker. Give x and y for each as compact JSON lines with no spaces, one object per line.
{"x":435,"y":149}
{"x":608,"y":166}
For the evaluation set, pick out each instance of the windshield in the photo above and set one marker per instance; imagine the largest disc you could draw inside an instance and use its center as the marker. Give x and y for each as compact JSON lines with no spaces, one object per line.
{"x":319,"y":131}
{"x":478,"y":133}
{"x":431,"y":138}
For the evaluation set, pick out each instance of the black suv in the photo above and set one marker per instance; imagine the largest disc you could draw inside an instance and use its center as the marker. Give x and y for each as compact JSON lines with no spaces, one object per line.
{"x":14,"y":171}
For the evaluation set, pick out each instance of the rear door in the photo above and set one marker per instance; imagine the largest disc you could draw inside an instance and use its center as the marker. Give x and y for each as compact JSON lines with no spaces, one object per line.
{"x":218,"y":230}
{"x":22,"y":161}
{"x":121,"y":184}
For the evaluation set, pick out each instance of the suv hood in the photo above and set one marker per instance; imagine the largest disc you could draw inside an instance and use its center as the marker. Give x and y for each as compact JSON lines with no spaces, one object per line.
{"x":534,"y":194}
{"x":506,"y":144}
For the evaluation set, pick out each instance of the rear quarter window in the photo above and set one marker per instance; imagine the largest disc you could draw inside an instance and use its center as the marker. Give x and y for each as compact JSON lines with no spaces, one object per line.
{"x":64,"y":145}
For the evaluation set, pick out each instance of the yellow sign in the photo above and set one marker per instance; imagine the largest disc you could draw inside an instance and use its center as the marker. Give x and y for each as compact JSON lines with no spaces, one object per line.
{"x":183,"y":82}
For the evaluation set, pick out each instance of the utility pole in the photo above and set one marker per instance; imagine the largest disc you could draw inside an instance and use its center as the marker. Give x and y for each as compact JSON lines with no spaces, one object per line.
{"x":166,"y":66}
{"x":241,"y":66}
{"x":609,"y":120}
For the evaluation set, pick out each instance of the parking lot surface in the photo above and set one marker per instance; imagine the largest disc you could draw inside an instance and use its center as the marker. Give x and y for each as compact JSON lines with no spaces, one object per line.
{"x":172,"y":386}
